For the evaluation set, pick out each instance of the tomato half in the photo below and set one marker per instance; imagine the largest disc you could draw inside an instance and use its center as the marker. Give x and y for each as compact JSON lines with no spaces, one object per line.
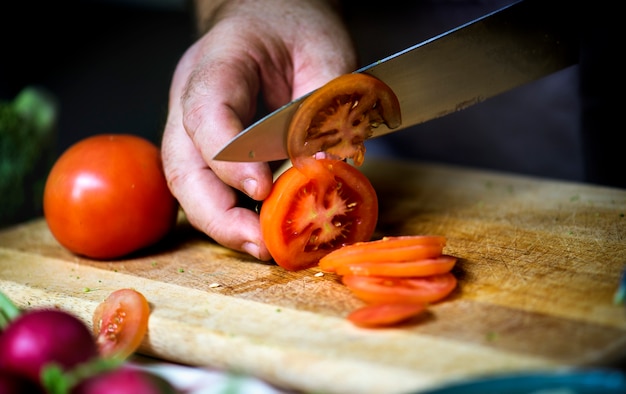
{"x":383,"y":315}
{"x":307,"y":216}
{"x":388,"y":249}
{"x":424,"y":267}
{"x":120,"y":323}
{"x":380,"y":289}
{"x":339,"y":117}
{"x":106,"y":196}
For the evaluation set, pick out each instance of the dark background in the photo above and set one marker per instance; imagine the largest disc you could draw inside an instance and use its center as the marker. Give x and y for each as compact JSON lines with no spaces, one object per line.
{"x":109,"y":64}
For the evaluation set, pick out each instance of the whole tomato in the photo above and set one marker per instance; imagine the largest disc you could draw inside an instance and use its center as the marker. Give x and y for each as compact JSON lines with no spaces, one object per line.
{"x":106,"y":196}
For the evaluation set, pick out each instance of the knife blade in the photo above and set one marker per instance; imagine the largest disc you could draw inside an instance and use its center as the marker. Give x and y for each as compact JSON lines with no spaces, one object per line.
{"x":517,"y":44}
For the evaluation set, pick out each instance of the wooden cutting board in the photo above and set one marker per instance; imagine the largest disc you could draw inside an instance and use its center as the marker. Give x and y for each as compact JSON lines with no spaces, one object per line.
{"x":539,"y":263}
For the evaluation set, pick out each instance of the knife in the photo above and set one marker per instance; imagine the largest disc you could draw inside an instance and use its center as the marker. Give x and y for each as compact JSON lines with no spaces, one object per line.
{"x":509,"y":47}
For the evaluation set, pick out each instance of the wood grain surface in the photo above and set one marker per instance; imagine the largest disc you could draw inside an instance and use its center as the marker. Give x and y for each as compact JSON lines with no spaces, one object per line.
{"x":539,"y":263}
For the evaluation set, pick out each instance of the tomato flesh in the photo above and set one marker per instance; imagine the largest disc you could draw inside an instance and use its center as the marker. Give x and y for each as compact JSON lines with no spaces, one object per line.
{"x":389,"y":249}
{"x":423,"y":267}
{"x":337,"y":118}
{"x":120,"y":323}
{"x":305,"y":216}
{"x":392,"y":243}
{"x":383,"y":315}
{"x":381,"y":289}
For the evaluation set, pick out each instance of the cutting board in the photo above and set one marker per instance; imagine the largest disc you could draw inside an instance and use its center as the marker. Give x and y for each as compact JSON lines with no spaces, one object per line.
{"x":539,"y":264}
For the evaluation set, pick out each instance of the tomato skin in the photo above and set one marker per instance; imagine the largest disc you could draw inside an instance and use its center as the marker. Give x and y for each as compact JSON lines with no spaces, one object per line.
{"x":106,"y":196}
{"x":380,"y":289}
{"x":383,"y":315}
{"x":339,"y":117}
{"x":120,"y":323}
{"x":307,"y":216}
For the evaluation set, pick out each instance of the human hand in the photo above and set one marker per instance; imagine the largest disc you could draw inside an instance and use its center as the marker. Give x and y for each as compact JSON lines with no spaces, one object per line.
{"x":280,"y":49}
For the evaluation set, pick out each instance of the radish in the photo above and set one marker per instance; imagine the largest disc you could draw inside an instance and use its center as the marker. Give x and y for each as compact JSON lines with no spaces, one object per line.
{"x":124,"y":380}
{"x":52,"y":351}
{"x":38,"y":338}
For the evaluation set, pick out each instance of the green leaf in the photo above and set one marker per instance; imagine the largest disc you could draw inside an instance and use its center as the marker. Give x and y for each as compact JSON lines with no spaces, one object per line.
{"x":27,"y":152}
{"x":55,"y":380}
{"x":8,"y":311}
{"x":37,"y":105}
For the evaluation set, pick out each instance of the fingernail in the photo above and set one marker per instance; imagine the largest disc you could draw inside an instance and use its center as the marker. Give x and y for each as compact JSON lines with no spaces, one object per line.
{"x":251,"y":248}
{"x":249,"y":186}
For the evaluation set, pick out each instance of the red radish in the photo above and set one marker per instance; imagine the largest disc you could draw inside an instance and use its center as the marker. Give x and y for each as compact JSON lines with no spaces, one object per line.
{"x":40,"y":337}
{"x":124,"y":380}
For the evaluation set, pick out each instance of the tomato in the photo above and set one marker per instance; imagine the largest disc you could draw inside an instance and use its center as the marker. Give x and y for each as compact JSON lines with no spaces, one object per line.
{"x":120,"y":323}
{"x":388,"y":249}
{"x":305,"y":217}
{"x":322,"y":203}
{"x":339,"y":117}
{"x":381,"y":289}
{"x":382,"y":315}
{"x":424,"y":267}
{"x":392,"y":243}
{"x":106,"y":196}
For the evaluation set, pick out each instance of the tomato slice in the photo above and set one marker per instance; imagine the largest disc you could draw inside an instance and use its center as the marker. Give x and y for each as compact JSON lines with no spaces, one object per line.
{"x":393,"y":243}
{"x":380,"y":289}
{"x":309,"y":215}
{"x":339,"y":117}
{"x":388,"y":249}
{"x":423,"y":267}
{"x":383,"y":315}
{"x":120,"y":323}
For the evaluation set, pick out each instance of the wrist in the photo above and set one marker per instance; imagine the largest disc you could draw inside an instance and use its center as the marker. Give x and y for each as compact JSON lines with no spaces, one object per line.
{"x":204,"y":13}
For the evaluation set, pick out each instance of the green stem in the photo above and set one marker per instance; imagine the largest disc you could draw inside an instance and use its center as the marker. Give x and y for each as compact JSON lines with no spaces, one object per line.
{"x":57,"y":381}
{"x":8,"y":311}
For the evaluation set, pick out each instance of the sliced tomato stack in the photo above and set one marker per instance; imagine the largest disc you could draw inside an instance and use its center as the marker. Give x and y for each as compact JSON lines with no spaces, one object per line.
{"x":323,"y":211}
{"x":397,"y":276}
